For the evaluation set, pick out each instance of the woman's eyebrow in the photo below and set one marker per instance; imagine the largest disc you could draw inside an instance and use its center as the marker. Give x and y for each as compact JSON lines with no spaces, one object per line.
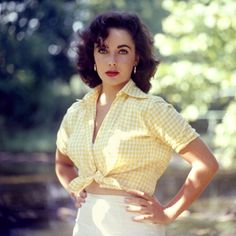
{"x":124,"y":45}
{"x":106,"y":46}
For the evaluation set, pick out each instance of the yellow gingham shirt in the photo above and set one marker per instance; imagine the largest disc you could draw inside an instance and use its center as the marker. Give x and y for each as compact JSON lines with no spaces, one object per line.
{"x":133,"y":145}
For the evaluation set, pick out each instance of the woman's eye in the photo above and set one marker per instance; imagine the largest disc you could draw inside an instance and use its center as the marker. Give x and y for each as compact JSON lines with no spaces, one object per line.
{"x":102,"y":50}
{"x":123,"y":51}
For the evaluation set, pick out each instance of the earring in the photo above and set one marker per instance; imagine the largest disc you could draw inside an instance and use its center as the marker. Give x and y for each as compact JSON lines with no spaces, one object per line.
{"x":95,"y":67}
{"x":135,"y":69}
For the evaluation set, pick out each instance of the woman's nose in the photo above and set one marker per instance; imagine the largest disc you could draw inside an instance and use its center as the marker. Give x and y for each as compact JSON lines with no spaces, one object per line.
{"x":112,"y":64}
{"x":112,"y":60}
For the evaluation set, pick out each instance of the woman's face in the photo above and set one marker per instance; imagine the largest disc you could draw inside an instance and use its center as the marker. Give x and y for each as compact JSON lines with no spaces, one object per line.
{"x":116,"y":58}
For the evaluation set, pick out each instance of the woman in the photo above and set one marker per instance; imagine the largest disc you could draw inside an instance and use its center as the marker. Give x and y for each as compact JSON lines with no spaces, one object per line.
{"x":121,"y":139}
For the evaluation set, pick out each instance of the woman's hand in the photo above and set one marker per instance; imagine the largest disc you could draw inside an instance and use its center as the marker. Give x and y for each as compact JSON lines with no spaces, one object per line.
{"x":148,"y":207}
{"x":79,"y":198}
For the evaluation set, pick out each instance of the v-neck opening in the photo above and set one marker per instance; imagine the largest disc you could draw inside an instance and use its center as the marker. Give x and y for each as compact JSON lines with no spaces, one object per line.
{"x":94,"y":139}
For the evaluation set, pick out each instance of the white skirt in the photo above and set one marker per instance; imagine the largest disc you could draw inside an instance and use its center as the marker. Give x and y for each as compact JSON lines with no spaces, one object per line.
{"x":106,"y":215}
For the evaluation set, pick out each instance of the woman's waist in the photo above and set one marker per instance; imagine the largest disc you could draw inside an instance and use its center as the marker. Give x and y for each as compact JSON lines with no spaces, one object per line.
{"x":94,"y":188}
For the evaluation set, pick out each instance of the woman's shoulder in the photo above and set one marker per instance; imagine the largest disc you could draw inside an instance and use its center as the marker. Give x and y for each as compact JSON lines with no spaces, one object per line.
{"x":72,"y":113}
{"x":155,"y":101}
{"x":80,"y":104}
{"x":75,"y":108}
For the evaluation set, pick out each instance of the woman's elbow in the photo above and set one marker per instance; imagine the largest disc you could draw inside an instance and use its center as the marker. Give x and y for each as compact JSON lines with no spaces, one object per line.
{"x":211,"y":166}
{"x":214,"y":166}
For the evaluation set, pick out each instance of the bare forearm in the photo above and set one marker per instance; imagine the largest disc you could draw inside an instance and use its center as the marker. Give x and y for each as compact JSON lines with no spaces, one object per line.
{"x":204,"y":167}
{"x":197,"y":180}
{"x":65,"y":169}
{"x":65,"y":174}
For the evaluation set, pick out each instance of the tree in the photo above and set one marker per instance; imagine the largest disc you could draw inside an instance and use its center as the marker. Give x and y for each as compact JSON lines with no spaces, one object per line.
{"x":32,"y":57}
{"x":38,"y":78}
{"x":198,"y":70}
{"x":150,"y":11}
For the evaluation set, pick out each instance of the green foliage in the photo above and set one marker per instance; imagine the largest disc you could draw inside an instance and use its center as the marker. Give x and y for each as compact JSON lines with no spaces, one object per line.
{"x":198,"y":71}
{"x":34,"y":43}
{"x":226,"y":136}
{"x":37,"y":73}
{"x":148,"y":10}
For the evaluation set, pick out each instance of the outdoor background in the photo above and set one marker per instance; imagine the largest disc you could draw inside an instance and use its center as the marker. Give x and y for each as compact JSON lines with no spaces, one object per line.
{"x":196,"y":42}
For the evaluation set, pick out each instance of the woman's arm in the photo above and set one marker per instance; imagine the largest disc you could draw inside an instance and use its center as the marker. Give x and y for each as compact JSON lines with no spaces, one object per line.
{"x":66,"y":171}
{"x":204,"y":167}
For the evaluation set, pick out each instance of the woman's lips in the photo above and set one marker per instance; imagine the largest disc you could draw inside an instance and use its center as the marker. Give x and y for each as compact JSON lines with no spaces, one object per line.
{"x":112,"y":73}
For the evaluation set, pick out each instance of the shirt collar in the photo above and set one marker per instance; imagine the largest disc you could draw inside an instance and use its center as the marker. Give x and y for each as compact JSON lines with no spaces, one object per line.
{"x":129,"y":89}
{"x":92,"y":94}
{"x":132,"y":90}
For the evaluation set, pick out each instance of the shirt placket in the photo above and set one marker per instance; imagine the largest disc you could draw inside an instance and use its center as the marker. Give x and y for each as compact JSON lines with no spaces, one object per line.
{"x":102,"y":139}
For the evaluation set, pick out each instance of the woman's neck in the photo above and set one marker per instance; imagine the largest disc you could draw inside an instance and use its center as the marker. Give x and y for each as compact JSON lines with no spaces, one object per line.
{"x":108,"y":94}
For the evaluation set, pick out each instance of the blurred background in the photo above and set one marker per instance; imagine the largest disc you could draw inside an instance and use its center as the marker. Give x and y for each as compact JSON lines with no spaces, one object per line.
{"x":195,"y":41}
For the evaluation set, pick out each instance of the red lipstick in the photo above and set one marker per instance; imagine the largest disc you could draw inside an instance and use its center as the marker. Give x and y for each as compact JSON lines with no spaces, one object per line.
{"x":112,"y":73}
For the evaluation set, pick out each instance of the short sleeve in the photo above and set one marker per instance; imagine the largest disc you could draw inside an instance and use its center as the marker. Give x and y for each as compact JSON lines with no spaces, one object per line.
{"x":66,"y":128}
{"x":168,"y":125}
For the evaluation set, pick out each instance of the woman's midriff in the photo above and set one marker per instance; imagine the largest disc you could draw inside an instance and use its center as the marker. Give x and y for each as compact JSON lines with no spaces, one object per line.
{"x":96,"y":189}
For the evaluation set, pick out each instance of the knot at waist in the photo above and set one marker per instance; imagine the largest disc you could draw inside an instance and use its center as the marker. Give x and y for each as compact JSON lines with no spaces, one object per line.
{"x":81,"y":182}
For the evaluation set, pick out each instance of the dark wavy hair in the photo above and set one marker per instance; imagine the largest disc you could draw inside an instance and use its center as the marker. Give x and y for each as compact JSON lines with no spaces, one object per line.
{"x":99,"y":30}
